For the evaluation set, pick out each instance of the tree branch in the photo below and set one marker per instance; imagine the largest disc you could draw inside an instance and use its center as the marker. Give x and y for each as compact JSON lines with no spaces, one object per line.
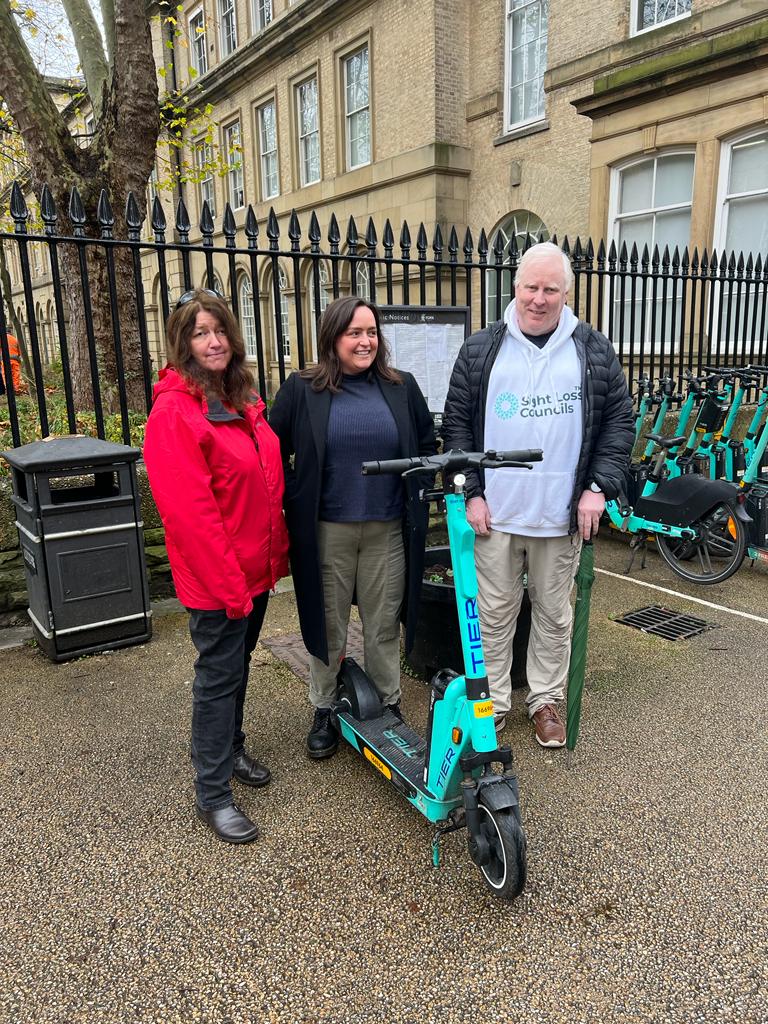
{"x":108,"y":17}
{"x":49,"y":144}
{"x":90,"y":50}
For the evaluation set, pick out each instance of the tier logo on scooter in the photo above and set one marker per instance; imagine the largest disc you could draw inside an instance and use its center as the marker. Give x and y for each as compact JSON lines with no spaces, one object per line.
{"x":473,"y":634}
{"x":402,"y":745}
{"x":445,"y":767}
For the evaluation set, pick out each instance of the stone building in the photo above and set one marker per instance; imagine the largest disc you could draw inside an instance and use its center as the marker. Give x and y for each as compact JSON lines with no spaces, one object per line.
{"x":631,"y":121}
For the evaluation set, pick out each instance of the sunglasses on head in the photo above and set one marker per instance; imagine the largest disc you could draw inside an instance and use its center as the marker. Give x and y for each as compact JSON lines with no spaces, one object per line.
{"x":189,"y":296}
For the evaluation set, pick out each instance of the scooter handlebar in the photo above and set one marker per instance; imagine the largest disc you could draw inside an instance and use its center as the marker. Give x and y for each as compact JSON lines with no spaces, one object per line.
{"x":391,"y":466}
{"x":455,"y":461}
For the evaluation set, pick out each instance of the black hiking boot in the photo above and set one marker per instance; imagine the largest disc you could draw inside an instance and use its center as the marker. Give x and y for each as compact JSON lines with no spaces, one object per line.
{"x":323,"y":739}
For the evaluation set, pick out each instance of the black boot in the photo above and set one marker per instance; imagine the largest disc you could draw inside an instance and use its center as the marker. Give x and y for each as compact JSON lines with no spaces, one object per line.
{"x":249,"y":771}
{"x":395,"y":709}
{"x":323,"y":739}
{"x":229,"y":824}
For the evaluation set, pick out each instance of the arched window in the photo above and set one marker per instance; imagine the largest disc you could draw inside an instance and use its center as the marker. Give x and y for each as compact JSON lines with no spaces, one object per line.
{"x":363,"y":280}
{"x":518,"y":225}
{"x":651,"y":205}
{"x":324,"y":282}
{"x":247,"y":317}
{"x":742,"y":227}
{"x":744,"y":196}
{"x":282,"y":283}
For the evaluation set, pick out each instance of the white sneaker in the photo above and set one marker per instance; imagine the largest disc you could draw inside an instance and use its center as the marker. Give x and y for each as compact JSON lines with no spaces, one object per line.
{"x":499,"y":722}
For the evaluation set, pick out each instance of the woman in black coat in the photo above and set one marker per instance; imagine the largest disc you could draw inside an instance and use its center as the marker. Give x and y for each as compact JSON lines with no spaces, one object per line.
{"x":352,"y":535}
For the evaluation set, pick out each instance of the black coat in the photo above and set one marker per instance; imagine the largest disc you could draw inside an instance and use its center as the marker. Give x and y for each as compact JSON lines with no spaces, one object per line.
{"x":299,"y":417}
{"x":608,"y":422}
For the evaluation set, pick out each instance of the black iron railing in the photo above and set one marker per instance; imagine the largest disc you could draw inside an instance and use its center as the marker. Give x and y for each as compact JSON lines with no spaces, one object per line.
{"x":665,"y":312}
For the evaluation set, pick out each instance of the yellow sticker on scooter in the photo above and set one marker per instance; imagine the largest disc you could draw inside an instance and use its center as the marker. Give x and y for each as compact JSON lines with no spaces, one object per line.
{"x":483,"y":708}
{"x":377,"y":763}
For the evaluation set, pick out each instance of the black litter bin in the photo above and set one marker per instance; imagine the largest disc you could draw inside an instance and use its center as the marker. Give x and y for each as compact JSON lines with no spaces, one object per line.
{"x":437,"y":643}
{"x":78,"y":515}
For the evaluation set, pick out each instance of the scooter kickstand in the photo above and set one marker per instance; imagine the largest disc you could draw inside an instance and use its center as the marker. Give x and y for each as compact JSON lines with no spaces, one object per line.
{"x":439,"y":833}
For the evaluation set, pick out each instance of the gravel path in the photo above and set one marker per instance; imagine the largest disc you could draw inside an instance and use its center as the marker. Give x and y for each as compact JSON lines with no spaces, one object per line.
{"x":648,"y":860}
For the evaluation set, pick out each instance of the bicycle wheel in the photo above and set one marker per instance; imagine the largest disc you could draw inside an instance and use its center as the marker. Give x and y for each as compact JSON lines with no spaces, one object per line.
{"x":716,"y":552}
{"x":506,"y":870}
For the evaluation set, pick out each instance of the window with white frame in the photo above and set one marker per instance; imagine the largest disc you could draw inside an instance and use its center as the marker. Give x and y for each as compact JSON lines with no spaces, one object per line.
{"x":234,"y":151}
{"x":742,"y":224}
{"x":520,"y":225}
{"x":282,"y":284}
{"x":206,"y":185}
{"x":362,"y":280}
{"x":308,"y":126}
{"x":357,"y":109}
{"x":247,"y":317}
{"x":325,"y":294}
{"x":198,"y":50}
{"x":648,"y":14}
{"x":270,"y":179}
{"x":526,"y":61}
{"x":651,"y":205}
{"x":227,"y":27}
{"x":262,"y":14}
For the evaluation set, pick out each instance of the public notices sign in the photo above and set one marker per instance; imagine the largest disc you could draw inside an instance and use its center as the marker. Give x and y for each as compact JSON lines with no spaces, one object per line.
{"x":425,"y":340}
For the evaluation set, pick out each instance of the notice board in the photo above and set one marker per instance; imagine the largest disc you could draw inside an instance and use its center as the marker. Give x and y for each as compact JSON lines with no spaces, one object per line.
{"x":425,"y":340}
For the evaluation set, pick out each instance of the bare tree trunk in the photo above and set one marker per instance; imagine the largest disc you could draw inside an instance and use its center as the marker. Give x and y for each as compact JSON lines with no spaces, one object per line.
{"x":105,"y":333}
{"x":118,"y":159}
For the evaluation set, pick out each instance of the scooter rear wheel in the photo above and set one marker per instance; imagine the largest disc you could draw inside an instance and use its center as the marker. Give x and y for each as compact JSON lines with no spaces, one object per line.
{"x":507,"y":868}
{"x":714,"y":556}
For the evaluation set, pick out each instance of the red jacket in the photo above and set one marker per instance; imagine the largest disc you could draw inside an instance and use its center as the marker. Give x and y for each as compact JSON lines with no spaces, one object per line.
{"x":218,"y":485}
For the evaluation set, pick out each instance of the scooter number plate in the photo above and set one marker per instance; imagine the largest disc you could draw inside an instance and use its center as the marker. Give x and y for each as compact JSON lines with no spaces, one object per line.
{"x":483,"y":708}
{"x":377,"y":763}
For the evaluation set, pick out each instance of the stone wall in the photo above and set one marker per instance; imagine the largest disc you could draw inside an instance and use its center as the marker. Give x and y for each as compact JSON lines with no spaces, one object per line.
{"x":13,"y":587}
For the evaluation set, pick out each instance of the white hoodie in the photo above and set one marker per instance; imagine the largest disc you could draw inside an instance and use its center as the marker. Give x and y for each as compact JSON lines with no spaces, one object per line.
{"x":534,"y":401}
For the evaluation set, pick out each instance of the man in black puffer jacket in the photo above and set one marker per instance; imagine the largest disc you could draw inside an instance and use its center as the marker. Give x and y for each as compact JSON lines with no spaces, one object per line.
{"x":539,"y":378}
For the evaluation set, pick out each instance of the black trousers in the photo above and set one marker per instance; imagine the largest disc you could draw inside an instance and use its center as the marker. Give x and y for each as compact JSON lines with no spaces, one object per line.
{"x":224,"y":647}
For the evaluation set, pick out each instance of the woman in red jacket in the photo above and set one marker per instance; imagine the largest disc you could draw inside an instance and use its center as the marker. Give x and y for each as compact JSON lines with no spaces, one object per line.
{"x":216,"y":475}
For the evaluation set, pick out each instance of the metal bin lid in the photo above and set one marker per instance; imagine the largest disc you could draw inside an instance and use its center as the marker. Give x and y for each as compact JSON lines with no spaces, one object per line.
{"x":68,"y":453}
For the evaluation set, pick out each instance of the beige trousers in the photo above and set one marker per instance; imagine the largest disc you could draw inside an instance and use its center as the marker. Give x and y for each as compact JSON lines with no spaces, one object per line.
{"x":551,"y":563}
{"x":367,"y":557}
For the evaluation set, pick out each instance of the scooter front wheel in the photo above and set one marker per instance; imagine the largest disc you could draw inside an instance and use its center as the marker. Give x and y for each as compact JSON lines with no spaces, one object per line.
{"x":507,"y":868}
{"x":715,"y":555}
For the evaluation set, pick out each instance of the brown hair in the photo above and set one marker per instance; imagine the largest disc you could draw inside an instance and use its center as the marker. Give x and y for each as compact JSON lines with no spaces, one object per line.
{"x":235,"y":385}
{"x":327,"y":373}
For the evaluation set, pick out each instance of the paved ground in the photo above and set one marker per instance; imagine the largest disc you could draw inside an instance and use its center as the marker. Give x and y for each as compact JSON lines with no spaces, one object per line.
{"x":648,"y":859}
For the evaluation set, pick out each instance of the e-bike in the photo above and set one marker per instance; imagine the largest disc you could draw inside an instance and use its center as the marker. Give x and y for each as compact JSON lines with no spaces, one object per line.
{"x":699,"y":524}
{"x":447,"y":774}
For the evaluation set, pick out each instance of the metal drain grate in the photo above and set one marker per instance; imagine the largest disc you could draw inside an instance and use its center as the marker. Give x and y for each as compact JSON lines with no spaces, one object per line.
{"x":665,"y":623}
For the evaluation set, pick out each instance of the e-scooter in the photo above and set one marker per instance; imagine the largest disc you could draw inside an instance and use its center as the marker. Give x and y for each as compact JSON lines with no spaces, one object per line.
{"x":447,"y":774}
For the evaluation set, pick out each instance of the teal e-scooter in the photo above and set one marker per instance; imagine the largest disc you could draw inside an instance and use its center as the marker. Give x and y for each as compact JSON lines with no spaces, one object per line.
{"x":447,"y":774}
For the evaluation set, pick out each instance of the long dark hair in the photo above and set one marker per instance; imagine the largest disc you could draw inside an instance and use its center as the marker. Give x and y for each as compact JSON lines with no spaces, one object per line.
{"x":327,"y":373}
{"x":235,"y":385}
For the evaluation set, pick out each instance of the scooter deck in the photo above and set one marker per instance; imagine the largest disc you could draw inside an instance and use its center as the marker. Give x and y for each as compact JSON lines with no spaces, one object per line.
{"x":398,"y":752}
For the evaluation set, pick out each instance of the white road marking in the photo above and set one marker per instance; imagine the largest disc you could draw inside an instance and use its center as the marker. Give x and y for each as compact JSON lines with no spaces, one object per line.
{"x":685,"y":597}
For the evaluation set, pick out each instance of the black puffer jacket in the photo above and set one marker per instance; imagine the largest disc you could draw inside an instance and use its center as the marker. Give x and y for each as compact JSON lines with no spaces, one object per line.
{"x":606,"y":409}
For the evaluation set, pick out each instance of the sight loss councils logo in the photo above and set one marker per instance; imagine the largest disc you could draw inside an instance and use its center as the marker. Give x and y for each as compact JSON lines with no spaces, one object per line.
{"x":506,"y":405}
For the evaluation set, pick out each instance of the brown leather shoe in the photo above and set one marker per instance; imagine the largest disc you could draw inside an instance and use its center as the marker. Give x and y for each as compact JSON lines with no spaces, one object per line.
{"x":550,"y":731}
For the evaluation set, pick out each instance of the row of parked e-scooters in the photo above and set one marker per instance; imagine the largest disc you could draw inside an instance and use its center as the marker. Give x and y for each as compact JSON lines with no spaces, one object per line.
{"x":702,"y":491}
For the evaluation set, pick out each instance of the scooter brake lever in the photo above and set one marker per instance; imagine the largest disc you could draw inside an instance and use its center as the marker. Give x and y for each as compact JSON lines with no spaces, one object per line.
{"x":420,"y":469}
